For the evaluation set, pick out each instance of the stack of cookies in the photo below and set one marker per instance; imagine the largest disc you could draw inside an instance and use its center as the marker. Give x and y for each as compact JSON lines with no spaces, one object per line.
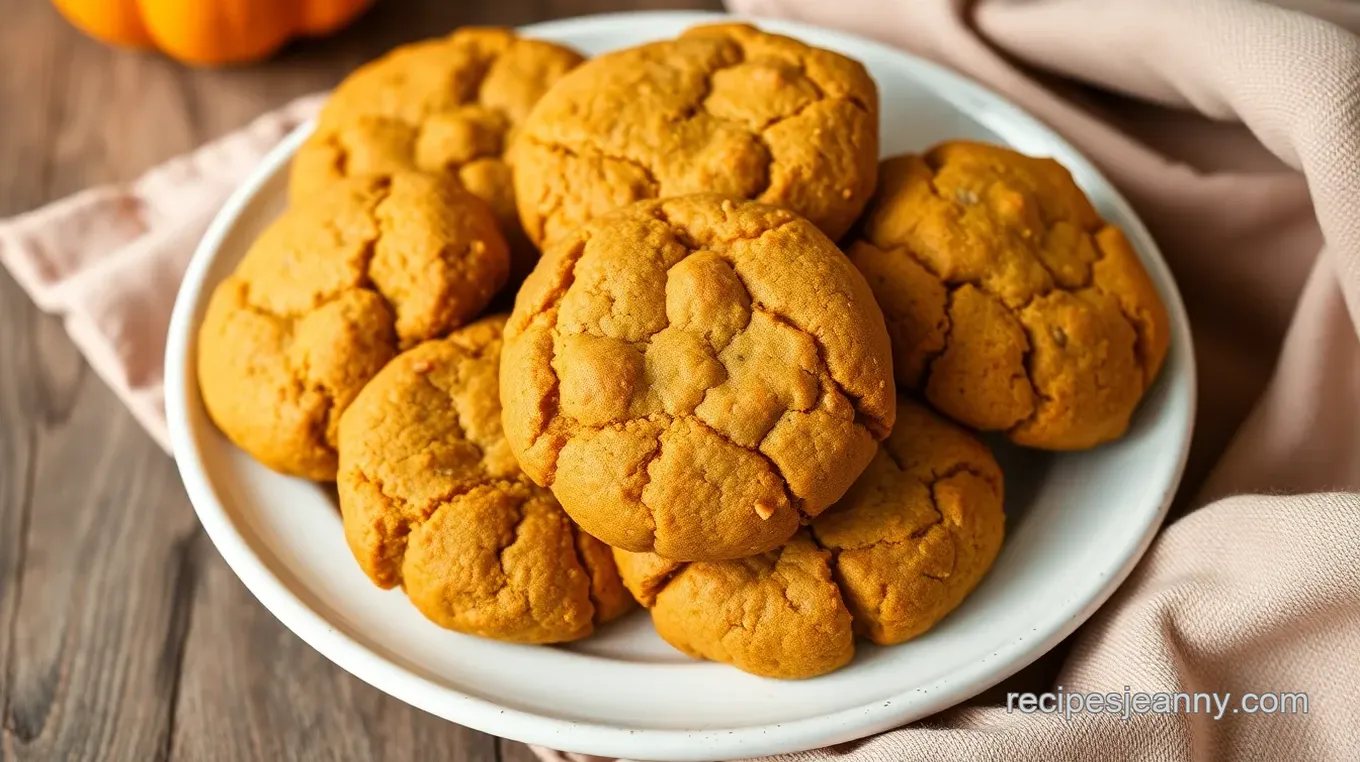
{"x":745,"y":360}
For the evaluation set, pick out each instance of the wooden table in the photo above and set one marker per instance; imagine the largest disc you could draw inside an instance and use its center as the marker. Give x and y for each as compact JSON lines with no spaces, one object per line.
{"x":123,"y":635}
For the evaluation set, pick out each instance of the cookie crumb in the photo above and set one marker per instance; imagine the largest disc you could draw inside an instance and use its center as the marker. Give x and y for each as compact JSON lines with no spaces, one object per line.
{"x":764,"y":510}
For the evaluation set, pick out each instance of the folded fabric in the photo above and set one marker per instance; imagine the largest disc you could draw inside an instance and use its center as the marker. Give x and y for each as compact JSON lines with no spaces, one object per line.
{"x":1234,"y":128}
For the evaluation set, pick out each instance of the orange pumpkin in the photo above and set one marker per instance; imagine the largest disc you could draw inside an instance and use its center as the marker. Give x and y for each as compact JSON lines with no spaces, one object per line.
{"x":209,"y":32}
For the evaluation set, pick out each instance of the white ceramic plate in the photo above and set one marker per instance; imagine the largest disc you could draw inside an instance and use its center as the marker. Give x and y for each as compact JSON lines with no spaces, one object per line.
{"x":1076,"y":523}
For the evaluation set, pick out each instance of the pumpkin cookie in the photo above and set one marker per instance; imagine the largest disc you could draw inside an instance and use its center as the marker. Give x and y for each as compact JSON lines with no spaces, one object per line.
{"x":724,"y":108}
{"x":447,"y":105}
{"x":903,"y":548}
{"x":1011,"y":304}
{"x":433,"y":501}
{"x":326,"y":296}
{"x":695,"y":375}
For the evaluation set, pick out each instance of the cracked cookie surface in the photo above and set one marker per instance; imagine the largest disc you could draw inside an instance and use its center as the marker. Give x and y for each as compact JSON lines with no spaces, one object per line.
{"x":449,"y":105}
{"x":433,"y":501}
{"x":330,"y":292}
{"x":724,"y":108}
{"x":693,"y":376}
{"x":908,"y":542}
{"x":1011,"y":304}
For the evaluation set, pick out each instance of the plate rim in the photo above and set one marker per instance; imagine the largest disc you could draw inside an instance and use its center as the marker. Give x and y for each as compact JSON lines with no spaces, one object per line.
{"x":617,"y":741}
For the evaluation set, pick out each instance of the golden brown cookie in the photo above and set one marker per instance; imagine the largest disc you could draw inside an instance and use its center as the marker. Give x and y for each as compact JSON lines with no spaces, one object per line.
{"x":724,"y":108}
{"x":903,"y":548}
{"x":694,"y":375}
{"x":327,"y":295}
{"x":433,"y":501}
{"x":447,"y":105}
{"x":1011,"y":304}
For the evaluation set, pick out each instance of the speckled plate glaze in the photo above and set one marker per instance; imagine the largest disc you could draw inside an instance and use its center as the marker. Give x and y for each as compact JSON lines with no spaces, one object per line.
{"x":1077,"y":523}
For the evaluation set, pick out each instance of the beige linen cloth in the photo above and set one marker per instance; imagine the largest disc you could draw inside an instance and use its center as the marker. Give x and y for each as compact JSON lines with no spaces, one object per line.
{"x":1234,"y":128}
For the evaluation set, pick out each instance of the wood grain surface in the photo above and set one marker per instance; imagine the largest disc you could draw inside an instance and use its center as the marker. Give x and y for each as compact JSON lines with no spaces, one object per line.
{"x":123,"y":635}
